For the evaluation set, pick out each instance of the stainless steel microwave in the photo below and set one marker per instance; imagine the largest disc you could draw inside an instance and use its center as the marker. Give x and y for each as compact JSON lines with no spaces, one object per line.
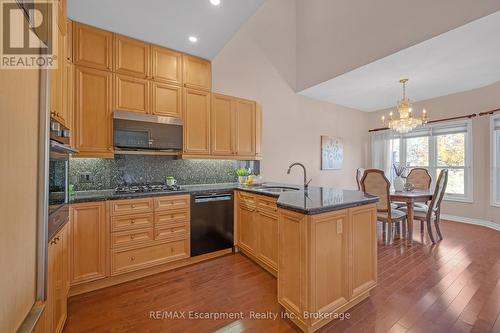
{"x":135,"y":131}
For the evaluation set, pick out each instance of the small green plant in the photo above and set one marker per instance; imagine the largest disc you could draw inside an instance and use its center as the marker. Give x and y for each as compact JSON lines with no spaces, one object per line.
{"x":242,"y":172}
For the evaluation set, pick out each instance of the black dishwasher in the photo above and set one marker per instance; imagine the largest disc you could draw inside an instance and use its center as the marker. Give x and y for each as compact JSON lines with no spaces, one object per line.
{"x":212,"y":217}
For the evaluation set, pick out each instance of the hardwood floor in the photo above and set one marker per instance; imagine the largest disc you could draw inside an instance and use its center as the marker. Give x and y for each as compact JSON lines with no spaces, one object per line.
{"x":450,"y":287}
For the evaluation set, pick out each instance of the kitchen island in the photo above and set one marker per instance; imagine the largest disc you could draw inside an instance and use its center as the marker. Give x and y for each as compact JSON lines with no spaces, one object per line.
{"x":321,"y":244}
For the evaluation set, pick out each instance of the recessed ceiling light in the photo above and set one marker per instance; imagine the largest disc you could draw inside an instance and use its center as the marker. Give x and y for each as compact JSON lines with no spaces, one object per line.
{"x":193,"y":39}
{"x":215,"y":2}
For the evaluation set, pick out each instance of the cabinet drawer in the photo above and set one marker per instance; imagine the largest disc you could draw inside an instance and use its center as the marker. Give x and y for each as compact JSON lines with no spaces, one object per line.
{"x":129,"y":222}
{"x":123,"y":207}
{"x":172,"y":202}
{"x":167,"y":218}
{"x":130,"y":260}
{"x":131,"y":237}
{"x":266,"y":204}
{"x":178,"y":231}
{"x":246,"y":199}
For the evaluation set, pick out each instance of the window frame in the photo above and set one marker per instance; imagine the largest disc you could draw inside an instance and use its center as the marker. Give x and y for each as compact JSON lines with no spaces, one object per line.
{"x":494,"y":200}
{"x":433,"y":159}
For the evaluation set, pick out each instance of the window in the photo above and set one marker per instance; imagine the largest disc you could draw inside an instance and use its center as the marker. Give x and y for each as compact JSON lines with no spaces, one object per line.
{"x":495,"y":161}
{"x":435,"y":147}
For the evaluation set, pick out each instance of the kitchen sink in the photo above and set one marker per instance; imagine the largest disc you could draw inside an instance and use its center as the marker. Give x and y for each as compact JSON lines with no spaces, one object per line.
{"x":277,"y":189}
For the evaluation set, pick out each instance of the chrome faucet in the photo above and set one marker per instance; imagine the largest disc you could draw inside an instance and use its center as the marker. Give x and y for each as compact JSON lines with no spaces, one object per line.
{"x":306,"y":182}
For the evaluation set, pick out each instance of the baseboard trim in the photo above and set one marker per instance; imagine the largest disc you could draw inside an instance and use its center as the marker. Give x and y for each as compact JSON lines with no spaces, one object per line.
{"x":468,"y":220}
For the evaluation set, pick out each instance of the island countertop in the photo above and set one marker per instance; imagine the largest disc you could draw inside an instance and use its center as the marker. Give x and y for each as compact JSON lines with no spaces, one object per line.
{"x":317,"y":200}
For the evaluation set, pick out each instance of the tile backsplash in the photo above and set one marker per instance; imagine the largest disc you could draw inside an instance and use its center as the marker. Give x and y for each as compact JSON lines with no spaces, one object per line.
{"x":97,"y":174}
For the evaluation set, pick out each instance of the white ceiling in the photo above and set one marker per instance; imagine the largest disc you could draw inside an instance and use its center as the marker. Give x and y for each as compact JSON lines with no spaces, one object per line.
{"x":168,"y":22}
{"x":461,"y":59}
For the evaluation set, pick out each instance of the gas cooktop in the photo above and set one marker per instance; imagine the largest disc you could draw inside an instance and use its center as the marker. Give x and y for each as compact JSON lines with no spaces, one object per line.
{"x":146,"y":188}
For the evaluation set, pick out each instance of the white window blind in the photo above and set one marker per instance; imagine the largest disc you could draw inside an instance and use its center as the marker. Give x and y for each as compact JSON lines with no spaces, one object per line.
{"x":434,"y":147}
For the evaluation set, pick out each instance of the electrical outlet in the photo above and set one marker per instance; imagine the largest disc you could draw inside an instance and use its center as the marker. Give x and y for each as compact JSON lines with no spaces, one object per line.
{"x":85,"y":177}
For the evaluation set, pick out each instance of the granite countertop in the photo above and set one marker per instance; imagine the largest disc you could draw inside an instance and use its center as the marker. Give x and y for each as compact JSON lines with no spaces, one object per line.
{"x":316,"y":200}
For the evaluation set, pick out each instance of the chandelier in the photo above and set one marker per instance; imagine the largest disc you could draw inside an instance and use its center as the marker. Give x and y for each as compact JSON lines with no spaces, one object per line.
{"x":406,"y":122}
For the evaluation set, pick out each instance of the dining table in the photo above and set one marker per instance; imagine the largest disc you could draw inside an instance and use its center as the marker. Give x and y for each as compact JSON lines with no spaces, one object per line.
{"x":409,"y":198}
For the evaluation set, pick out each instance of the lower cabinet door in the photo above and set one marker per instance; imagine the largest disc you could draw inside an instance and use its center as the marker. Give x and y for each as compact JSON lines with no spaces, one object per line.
{"x":88,"y":242}
{"x":248,"y":230}
{"x":268,"y":238}
{"x":364,"y":249}
{"x":138,"y":258}
{"x":57,"y":291}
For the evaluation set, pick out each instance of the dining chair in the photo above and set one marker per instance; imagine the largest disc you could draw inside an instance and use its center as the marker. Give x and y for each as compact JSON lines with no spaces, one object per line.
{"x":359,"y":174}
{"x":375,"y":183}
{"x":421,"y":180}
{"x":433,"y":212}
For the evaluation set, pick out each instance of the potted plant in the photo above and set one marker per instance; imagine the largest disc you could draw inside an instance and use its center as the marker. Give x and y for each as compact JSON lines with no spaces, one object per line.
{"x":242,"y":175}
{"x":399,"y":183}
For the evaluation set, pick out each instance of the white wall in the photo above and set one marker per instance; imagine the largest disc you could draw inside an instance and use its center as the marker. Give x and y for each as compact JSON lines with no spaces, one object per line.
{"x":259,"y":63}
{"x":473,"y":101}
{"x":338,"y":36}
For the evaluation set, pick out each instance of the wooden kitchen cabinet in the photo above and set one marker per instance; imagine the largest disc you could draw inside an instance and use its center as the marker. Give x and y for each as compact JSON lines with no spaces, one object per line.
{"x":92,"y":47}
{"x":93,"y":116}
{"x":222,"y":125}
{"x":132,"y":57}
{"x":257,"y":229}
{"x":88,"y":238}
{"x":364,"y":249}
{"x":268,"y":238}
{"x":245,"y":127}
{"x":56,"y":84}
{"x":131,"y":94}
{"x":166,"y":65}
{"x":196,"y":104}
{"x":68,"y":41}
{"x":197,"y":73}
{"x":57,"y":282}
{"x":166,"y":99}
{"x":61,"y":15}
{"x":326,"y":262}
{"x":248,"y":231}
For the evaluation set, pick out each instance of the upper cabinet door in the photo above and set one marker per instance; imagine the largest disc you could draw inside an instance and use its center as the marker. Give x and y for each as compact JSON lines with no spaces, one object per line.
{"x":245,"y":127}
{"x":196,"y":121}
{"x":166,"y":100}
{"x":132,"y":57}
{"x":92,"y":47}
{"x":222,"y":125}
{"x":131,"y":94}
{"x":68,"y":40}
{"x":93,"y":117}
{"x":197,"y":73}
{"x":166,"y":65}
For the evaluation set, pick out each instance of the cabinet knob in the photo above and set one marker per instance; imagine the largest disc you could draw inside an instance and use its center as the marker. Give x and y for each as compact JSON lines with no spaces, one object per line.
{"x":133,"y":221}
{"x":132,"y":258}
{"x":133,"y":206}
{"x":132,"y":236}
